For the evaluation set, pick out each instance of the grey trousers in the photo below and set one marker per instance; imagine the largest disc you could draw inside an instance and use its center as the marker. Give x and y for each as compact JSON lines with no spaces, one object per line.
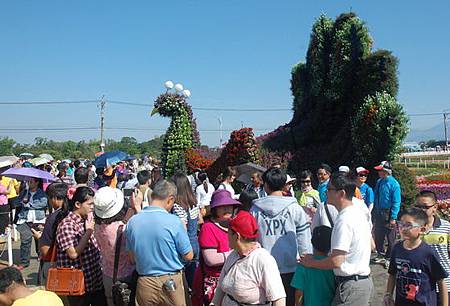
{"x":354,"y":293}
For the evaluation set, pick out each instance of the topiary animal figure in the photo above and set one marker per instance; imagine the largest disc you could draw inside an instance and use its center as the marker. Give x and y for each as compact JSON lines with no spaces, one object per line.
{"x":181,"y":135}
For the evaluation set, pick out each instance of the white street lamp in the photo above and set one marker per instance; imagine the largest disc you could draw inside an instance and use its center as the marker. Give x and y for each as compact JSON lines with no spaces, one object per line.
{"x":168,"y":85}
{"x":179,"y":87}
{"x":187,"y":93}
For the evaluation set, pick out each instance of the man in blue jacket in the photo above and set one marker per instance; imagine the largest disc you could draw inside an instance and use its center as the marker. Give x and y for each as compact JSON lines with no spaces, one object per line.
{"x":386,"y":207}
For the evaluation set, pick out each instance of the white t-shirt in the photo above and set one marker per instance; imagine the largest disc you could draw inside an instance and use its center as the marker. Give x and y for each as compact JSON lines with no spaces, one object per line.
{"x":253,"y":279}
{"x":229,"y":188}
{"x":351,"y":234}
{"x":320,"y":217}
{"x":203,"y":197}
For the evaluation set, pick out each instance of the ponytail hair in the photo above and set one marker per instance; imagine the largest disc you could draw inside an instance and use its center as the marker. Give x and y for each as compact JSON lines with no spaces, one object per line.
{"x":203,"y":179}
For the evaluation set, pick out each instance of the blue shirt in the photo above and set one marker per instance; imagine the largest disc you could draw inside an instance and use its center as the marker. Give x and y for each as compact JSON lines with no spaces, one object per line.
{"x":367,"y":194}
{"x":322,"y":189}
{"x":416,"y":273}
{"x":388,"y":196}
{"x":158,"y":240}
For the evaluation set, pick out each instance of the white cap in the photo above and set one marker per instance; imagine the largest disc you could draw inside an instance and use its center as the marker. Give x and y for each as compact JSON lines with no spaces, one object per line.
{"x":361,"y":170}
{"x":108,"y":202}
{"x":344,"y":169}
{"x":290,"y":179}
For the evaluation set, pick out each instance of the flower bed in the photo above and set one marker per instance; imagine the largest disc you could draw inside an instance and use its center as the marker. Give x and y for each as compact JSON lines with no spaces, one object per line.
{"x":440,"y":185}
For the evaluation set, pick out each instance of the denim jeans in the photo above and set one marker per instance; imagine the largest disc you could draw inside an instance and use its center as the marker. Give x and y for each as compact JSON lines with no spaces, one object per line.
{"x":26,"y":237}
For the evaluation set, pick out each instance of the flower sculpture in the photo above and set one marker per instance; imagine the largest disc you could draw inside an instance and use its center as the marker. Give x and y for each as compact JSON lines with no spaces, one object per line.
{"x":182,"y":133}
{"x":241,"y":148}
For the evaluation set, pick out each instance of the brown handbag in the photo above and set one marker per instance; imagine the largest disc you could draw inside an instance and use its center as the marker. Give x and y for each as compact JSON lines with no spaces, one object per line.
{"x":65,"y":281}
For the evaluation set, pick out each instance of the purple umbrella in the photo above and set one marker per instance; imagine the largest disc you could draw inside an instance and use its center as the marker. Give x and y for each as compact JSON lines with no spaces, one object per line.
{"x":25,"y":174}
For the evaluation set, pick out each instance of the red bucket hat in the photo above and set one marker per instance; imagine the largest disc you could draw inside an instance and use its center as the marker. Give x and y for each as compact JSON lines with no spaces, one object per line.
{"x":245,"y":224}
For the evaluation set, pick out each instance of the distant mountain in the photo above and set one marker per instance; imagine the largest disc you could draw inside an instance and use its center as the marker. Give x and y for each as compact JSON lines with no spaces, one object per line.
{"x":436,"y":133}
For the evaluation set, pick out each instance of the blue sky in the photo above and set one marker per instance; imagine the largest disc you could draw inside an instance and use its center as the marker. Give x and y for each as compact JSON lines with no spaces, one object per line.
{"x":228,"y":53}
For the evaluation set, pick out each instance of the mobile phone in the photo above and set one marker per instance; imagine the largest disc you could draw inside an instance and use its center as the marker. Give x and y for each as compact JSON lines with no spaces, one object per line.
{"x":128,"y":192}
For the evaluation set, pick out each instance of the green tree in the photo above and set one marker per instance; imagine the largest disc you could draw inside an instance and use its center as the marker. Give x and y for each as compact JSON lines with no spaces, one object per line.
{"x":7,"y":146}
{"x":407,"y":182}
{"x":378,"y":129}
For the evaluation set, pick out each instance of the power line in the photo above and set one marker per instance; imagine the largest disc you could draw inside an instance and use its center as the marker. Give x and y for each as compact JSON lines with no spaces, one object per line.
{"x":144,"y":105}
{"x":48,"y":102}
{"x":61,"y":129}
{"x":194,"y":108}
{"x":211,"y":108}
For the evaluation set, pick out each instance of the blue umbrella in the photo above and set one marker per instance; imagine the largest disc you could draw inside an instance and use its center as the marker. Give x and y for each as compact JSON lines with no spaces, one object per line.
{"x":130,"y":157}
{"x":110,"y":158}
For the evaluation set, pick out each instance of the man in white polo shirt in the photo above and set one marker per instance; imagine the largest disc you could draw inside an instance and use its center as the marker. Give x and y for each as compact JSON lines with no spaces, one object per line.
{"x":350,"y":245}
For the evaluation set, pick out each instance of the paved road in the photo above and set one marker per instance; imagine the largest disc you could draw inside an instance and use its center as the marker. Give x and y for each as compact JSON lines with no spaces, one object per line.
{"x":379,"y":274}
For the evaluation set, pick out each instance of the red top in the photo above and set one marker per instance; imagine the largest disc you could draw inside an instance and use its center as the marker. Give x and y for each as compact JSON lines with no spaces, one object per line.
{"x":213,"y":237}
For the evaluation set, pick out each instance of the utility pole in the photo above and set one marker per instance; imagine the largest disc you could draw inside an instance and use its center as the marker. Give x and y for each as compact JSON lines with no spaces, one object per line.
{"x":445,"y":128}
{"x":102,"y":104}
{"x":220,"y":130}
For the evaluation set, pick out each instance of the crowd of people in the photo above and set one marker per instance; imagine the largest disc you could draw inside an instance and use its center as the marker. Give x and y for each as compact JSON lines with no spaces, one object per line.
{"x":141,"y":239}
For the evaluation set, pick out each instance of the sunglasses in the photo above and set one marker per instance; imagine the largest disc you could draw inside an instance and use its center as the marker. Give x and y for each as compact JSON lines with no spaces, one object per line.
{"x":362,"y":175}
{"x":424,"y":207}
{"x":305,"y":181}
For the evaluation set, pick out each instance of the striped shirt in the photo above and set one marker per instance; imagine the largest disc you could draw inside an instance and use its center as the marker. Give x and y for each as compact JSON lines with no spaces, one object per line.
{"x":179,"y":211}
{"x":438,"y":237}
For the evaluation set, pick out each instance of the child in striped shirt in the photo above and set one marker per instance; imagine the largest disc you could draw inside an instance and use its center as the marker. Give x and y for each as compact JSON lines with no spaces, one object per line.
{"x":437,"y":233}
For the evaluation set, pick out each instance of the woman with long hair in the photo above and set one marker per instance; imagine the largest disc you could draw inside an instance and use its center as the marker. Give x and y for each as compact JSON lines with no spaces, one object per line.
{"x":226,"y":178}
{"x":187,"y":210}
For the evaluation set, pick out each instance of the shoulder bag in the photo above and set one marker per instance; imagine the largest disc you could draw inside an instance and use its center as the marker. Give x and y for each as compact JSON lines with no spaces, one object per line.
{"x":328,"y":214}
{"x":65,"y":281}
{"x":123,"y":292}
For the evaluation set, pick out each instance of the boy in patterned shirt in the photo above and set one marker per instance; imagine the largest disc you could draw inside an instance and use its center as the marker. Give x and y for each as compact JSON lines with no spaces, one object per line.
{"x":437,"y":233}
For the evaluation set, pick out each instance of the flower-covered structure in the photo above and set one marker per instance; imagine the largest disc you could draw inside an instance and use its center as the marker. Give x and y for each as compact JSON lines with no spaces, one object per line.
{"x":345,"y":107}
{"x":240,"y":149}
{"x":195,"y":160}
{"x":181,"y":135}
